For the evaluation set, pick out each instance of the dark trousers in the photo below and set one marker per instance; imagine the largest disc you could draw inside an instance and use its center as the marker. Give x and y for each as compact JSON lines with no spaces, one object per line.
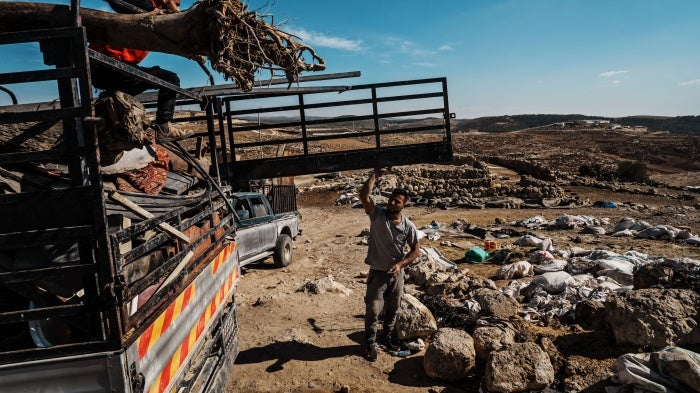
{"x":110,"y":80}
{"x":383,"y":291}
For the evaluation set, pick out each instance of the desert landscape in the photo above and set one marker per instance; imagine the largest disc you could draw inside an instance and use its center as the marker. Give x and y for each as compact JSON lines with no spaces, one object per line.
{"x":294,"y":340}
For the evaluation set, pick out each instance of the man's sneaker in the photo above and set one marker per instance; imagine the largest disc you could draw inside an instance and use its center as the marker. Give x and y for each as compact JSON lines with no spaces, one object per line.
{"x":370,"y":352}
{"x":168,"y":132}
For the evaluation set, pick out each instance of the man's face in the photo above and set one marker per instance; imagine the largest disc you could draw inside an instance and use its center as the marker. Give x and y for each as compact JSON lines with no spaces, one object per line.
{"x":396,"y":203}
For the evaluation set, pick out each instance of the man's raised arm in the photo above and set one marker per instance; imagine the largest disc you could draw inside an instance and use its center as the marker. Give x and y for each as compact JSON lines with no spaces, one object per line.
{"x":366,"y":200}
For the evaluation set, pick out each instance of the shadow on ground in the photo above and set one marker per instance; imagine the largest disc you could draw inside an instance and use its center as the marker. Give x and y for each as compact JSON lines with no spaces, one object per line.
{"x":283,"y":352}
{"x":410,"y":372}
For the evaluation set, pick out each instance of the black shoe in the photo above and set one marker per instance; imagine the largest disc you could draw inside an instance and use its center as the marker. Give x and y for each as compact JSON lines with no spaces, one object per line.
{"x":370,"y":352}
{"x":389,"y":341}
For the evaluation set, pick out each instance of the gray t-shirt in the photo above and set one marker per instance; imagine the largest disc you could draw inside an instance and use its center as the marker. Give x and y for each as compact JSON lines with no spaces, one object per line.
{"x":387,"y":239}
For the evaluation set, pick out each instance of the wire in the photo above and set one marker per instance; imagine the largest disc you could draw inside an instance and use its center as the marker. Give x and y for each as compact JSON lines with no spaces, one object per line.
{"x":12,"y":95}
{"x":185,"y":155}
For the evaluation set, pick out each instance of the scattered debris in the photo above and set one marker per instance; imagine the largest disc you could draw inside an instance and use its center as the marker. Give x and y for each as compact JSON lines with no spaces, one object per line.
{"x":323,"y":285}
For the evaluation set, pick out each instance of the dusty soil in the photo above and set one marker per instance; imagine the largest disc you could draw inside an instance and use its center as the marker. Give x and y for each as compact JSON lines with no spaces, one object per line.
{"x":293,"y":341}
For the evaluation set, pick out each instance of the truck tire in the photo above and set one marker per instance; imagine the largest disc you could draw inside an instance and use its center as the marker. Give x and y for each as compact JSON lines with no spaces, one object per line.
{"x":283,"y":251}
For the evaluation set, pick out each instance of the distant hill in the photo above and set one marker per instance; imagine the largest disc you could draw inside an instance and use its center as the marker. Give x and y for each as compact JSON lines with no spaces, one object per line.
{"x":681,"y":124}
{"x":689,"y":125}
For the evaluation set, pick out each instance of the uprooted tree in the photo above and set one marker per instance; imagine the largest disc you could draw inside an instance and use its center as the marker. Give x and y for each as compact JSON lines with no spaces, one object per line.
{"x":238,"y":42}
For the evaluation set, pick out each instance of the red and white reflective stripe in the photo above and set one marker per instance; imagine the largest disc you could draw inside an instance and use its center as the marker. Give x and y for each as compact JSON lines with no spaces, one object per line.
{"x":160,"y":384}
{"x":151,"y":336}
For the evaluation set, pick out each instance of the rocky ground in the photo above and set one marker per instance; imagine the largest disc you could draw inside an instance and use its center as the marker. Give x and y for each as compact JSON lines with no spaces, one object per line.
{"x":297,"y":341}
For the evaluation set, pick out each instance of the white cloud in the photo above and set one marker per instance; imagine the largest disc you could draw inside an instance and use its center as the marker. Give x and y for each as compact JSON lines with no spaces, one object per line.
{"x":424,"y":64}
{"x":446,"y":47}
{"x":408,"y":47}
{"x":690,"y":83}
{"x":616,"y":82}
{"x":313,"y":38}
{"x":608,"y":74}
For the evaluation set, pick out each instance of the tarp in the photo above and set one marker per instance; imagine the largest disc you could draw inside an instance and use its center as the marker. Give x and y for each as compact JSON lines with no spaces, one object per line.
{"x":670,"y":370}
{"x":606,"y":204}
{"x":476,"y":255}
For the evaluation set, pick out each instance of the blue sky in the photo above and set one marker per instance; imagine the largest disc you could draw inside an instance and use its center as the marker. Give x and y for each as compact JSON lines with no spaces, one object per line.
{"x":500,"y":57}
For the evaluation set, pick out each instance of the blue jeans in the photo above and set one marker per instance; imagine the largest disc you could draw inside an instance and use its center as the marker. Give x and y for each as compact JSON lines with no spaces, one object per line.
{"x":383,"y":291}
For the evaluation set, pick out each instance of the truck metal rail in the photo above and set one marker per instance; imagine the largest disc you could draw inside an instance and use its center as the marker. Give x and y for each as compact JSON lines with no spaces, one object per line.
{"x":278,"y":132}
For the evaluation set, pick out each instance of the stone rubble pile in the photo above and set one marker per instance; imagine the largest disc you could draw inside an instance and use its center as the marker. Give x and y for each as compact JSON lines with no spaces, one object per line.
{"x":461,"y":186}
{"x":472,"y":185}
{"x":479,"y":322}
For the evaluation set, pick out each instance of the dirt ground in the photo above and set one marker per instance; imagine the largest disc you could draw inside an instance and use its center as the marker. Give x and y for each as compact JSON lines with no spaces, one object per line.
{"x":293,"y":341}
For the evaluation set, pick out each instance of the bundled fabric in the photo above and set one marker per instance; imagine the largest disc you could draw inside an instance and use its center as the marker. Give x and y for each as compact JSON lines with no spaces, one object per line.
{"x":631,"y":224}
{"x":554,"y":265}
{"x":540,"y":256}
{"x":515,"y":270}
{"x":572,"y":222}
{"x":149,"y":179}
{"x":528,"y":241}
{"x":670,"y":370}
{"x":554,"y":282}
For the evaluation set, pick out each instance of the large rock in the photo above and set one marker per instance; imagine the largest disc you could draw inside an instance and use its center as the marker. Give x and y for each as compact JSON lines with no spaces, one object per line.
{"x":590,"y":314}
{"x":676,"y":273}
{"x":450,"y":355}
{"x":495,"y":303}
{"x":655,"y":317}
{"x":518,"y":368}
{"x":422,"y":270}
{"x":414,"y":320}
{"x":492,"y":335}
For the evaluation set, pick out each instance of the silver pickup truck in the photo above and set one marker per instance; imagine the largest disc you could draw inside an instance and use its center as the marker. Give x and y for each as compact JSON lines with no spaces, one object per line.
{"x":261,"y":233}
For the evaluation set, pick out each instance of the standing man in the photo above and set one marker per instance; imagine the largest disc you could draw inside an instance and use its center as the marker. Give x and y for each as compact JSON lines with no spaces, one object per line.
{"x":390,"y":231}
{"x":108,"y":79}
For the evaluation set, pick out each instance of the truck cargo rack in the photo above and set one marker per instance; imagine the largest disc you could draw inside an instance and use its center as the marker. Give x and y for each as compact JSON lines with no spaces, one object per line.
{"x":371,"y":128}
{"x":278,"y":132}
{"x":88,"y":248}
{"x":49,"y":220}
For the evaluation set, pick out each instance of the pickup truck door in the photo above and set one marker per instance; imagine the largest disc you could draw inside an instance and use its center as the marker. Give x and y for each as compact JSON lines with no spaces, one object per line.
{"x":247,"y":238}
{"x":265,"y":222}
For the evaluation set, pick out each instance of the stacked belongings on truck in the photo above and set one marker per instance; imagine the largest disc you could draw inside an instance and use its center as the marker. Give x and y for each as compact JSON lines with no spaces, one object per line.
{"x":128,"y":154}
{"x":144,"y":179}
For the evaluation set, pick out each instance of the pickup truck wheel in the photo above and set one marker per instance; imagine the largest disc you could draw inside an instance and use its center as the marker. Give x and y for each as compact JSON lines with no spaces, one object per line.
{"x":283,"y":251}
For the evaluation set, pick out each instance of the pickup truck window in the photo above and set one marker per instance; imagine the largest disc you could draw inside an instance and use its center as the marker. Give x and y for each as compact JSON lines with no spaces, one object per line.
{"x":243,"y":209}
{"x":259,"y":207}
